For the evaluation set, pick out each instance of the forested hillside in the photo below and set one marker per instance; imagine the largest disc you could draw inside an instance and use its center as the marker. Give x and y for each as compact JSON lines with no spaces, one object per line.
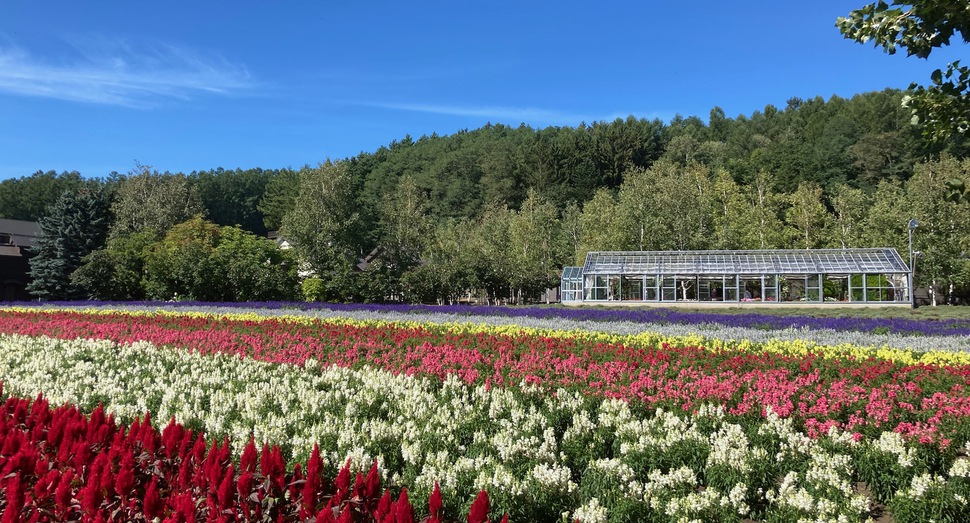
{"x":497,"y":211}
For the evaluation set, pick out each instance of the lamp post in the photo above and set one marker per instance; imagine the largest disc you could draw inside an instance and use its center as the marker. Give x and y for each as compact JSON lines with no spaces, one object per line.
{"x":913,"y":224}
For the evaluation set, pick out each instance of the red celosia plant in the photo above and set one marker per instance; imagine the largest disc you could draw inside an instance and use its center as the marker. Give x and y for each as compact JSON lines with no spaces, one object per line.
{"x":59,"y":465}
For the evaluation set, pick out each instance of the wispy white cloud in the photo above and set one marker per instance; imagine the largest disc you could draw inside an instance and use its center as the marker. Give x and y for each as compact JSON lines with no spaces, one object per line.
{"x":496,"y":113}
{"x":117,"y":73}
{"x":510,"y":115}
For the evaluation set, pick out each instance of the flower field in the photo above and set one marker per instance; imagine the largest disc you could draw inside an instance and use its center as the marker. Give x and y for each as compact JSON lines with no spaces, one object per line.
{"x":553,"y":424}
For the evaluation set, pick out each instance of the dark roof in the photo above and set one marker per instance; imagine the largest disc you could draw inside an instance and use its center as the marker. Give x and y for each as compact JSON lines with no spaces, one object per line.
{"x":776,"y":261}
{"x":22,"y":233}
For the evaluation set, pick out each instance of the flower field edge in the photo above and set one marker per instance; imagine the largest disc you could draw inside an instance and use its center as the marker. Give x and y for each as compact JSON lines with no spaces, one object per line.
{"x":765,"y":468}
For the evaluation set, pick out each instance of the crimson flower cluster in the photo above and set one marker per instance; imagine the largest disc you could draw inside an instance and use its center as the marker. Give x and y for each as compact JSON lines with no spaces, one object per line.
{"x":56,"y":464}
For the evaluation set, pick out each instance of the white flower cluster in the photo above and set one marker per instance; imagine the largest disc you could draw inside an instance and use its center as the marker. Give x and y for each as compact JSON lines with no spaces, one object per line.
{"x":892,"y":443}
{"x":591,"y":512}
{"x":729,"y":447}
{"x":658,"y":484}
{"x":553,"y":478}
{"x":793,"y":443}
{"x":830,"y":470}
{"x":960,"y":468}
{"x":685,"y":508}
{"x":921,"y":485}
{"x":824,"y":492}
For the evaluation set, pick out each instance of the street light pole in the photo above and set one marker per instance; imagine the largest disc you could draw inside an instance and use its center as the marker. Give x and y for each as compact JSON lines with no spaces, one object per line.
{"x":913,"y":224}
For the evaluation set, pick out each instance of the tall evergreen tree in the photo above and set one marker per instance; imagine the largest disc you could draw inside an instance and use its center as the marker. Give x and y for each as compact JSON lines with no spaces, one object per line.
{"x":75,"y":225}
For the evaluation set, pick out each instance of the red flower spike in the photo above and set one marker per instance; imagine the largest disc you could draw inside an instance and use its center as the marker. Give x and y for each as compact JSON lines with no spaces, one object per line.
{"x":149,"y":436}
{"x":225,"y":492}
{"x":211,"y":468}
{"x":383,"y":506}
{"x":347,"y":516}
{"x":15,"y":500}
{"x":404,"y":511}
{"x":247,"y":463}
{"x":63,"y":494}
{"x":107,"y":478}
{"x":479,"y":509}
{"x":372,"y":485}
{"x":118,"y":445}
{"x":358,"y":491}
{"x":152,"y":504}
{"x":224,"y":453}
{"x":185,"y":508}
{"x":505,"y":519}
{"x":277,"y":468}
{"x":46,"y":484}
{"x":125,"y":479}
{"x":82,"y":455}
{"x":185,"y":445}
{"x":134,"y":432}
{"x":244,"y":485}
{"x":343,"y":478}
{"x":312,"y":484}
{"x":95,"y":421}
{"x":264,"y":460}
{"x":314,"y":467}
{"x":91,"y":497}
{"x":325,"y":516}
{"x":172,"y":437}
{"x":434,"y":502}
{"x":184,"y":479}
{"x":198,"y":450}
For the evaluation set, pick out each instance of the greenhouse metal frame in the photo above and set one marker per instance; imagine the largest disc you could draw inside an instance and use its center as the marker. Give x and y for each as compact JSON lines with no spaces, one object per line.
{"x":873,"y":276}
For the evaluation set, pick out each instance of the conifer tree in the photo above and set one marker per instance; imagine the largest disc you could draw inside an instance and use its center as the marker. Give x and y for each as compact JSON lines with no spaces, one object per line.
{"x":74,"y":226}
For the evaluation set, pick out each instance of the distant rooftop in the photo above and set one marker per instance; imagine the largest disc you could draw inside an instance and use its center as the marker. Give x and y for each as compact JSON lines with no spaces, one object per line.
{"x":19,"y":232}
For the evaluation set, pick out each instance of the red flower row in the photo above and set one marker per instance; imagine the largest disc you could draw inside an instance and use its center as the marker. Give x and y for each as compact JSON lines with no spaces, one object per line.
{"x":57,"y":464}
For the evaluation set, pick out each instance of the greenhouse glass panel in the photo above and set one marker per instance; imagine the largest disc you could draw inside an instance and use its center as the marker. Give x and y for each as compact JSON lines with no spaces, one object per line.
{"x":650,"y":288}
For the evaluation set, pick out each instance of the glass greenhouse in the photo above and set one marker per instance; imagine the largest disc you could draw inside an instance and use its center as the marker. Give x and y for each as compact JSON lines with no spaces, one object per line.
{"x":862,"y":276}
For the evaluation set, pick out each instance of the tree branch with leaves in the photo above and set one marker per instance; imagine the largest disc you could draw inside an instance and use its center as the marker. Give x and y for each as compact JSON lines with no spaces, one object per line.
{"x":942,"y":108}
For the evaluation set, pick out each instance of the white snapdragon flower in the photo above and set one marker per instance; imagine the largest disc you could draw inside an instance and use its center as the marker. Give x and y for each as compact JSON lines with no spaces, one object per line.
{"x":591,"y":512}
{"x":553,"y":477}
{"x":921,"y":484}
{"x":892,"y":443}
{"x":960,"y":468}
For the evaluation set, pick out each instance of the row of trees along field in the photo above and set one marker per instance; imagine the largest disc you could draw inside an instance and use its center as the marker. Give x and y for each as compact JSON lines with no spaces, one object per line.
{"x":497,"y":211}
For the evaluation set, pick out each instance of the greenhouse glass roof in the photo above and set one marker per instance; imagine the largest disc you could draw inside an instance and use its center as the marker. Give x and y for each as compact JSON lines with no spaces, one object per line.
{"x":572,"y":272}
{"x":803,"y":261}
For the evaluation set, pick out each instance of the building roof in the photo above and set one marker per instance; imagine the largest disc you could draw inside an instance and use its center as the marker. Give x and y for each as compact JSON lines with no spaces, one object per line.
{"x":22,"y":233}
{"x":802,"y":261}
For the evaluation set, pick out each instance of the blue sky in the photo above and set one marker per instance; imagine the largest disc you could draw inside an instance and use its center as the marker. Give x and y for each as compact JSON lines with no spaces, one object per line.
{"x":182,"y":86}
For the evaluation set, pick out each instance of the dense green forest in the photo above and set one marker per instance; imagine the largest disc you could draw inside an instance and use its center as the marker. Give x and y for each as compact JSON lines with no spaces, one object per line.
{"x":497,"y":211}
